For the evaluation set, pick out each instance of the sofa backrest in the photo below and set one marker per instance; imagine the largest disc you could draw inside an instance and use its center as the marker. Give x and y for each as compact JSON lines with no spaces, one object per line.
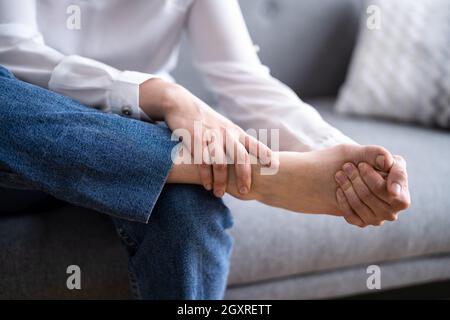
{"x":306,"y":43}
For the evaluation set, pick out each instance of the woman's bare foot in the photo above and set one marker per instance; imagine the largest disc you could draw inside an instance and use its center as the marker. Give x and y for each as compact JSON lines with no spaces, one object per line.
{"x":306,"y":182}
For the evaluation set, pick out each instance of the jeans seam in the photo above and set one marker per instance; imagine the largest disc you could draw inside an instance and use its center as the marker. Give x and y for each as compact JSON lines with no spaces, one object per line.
{"x":129,"y":242}
{"x":134,"y":283}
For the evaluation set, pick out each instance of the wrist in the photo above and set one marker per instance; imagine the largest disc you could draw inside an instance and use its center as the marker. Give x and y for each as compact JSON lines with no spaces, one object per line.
{"x":152,"y":98}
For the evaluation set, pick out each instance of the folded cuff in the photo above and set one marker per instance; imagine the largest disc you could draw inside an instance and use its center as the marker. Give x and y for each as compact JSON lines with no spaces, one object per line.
{"x":141,"y":173}
{"x":123,"y":98}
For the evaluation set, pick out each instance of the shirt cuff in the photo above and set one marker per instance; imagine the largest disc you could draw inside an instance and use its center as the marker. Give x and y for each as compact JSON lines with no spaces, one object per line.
{"x":123,"y":98}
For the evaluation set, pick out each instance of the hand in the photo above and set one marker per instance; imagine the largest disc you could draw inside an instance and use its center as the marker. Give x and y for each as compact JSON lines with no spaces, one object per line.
{"x":367,"y":198}
{"x":219,"y":140}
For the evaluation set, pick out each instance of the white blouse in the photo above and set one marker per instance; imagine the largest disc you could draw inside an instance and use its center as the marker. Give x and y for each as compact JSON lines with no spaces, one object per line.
{"x":99,"y":51}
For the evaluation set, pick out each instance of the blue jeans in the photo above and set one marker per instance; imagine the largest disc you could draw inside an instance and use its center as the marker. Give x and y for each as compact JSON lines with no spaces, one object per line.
{"x":175,"y":235}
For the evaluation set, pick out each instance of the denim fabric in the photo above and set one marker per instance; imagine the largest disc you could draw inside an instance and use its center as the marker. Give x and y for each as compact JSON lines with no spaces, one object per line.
{"x":105,"y":162}
{"x":184,"y":250}
{"x":118,"y":166}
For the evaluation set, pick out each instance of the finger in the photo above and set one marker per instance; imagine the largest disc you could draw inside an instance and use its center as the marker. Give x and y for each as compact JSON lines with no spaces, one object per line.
{"x":397,"y":182}
{"x":218,"y":158}
{"x":258,"y":149}
{"x":243,"y":169}
{"x":348,"y":213}
{"x":397,"y":178}
{"x":374,"y":181}
{"x":241,"y":159}
{"x":205,"y":169}
{"x":355,"y":203}
{"x":378,"y":186}
{"x":377,"y":157}
{"x":381,"y":209}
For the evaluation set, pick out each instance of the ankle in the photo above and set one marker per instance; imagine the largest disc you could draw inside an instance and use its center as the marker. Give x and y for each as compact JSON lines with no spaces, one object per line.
{"x":265,"y":180}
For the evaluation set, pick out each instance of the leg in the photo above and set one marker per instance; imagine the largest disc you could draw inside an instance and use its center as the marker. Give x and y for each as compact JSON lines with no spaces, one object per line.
{"x":305,"y":182}
{"x":183,"y":252}
{"x":88,"y":158}
{"x":117,"y":166}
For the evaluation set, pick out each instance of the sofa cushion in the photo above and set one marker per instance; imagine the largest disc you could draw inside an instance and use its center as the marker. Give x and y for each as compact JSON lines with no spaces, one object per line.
{"x":272,"y":243}
{"x":37,"y":248}
{"x":400,"y":72}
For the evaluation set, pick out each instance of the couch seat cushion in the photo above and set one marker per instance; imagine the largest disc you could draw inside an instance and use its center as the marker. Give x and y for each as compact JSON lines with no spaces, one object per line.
{"x":273,"y":243}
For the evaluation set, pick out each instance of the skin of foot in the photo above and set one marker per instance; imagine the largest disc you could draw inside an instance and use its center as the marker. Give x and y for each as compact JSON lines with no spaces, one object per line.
{"x":307,"y":182}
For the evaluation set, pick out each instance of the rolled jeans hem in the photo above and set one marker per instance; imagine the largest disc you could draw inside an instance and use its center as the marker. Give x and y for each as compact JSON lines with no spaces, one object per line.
{"x":105,"y":162}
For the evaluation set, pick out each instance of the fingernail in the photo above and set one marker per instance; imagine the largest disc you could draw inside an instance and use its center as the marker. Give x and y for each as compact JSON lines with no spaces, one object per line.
{"x":379,"y":162}
{"x":361,"y":166}
{"x":243,"y":190}
{"x":267,"y":159}
{"x":208,"y":187}
{"x":348,"y":168}
{"x":396,"y":188}
{"x":219,"y":194}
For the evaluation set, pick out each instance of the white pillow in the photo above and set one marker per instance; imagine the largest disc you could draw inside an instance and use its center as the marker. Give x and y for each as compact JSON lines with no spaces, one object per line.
{"x":402,"y":69}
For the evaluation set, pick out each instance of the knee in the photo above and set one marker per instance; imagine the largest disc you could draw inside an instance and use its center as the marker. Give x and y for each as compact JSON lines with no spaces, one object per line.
{"x":12,"y":97}
{"x":5,"y":73}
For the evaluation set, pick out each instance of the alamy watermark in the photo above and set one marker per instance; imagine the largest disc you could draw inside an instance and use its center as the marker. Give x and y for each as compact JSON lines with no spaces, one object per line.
{"x":73,"y":281}
{"x":218,"y":146}
{"x":373,"y":21}
{"x":73,"y":21}
{"x":373,"y":282}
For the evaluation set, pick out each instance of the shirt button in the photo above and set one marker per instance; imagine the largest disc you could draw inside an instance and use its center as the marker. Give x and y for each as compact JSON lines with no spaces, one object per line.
{"x":126,"y":111}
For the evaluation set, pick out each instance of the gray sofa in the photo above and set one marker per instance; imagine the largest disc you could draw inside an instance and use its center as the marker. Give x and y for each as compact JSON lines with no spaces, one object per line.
{"x":277,"y":254}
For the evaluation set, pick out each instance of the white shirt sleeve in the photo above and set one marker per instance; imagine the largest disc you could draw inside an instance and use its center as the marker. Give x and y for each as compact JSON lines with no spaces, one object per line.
{"x":247,"y":93}
{"x":24,"y":52}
